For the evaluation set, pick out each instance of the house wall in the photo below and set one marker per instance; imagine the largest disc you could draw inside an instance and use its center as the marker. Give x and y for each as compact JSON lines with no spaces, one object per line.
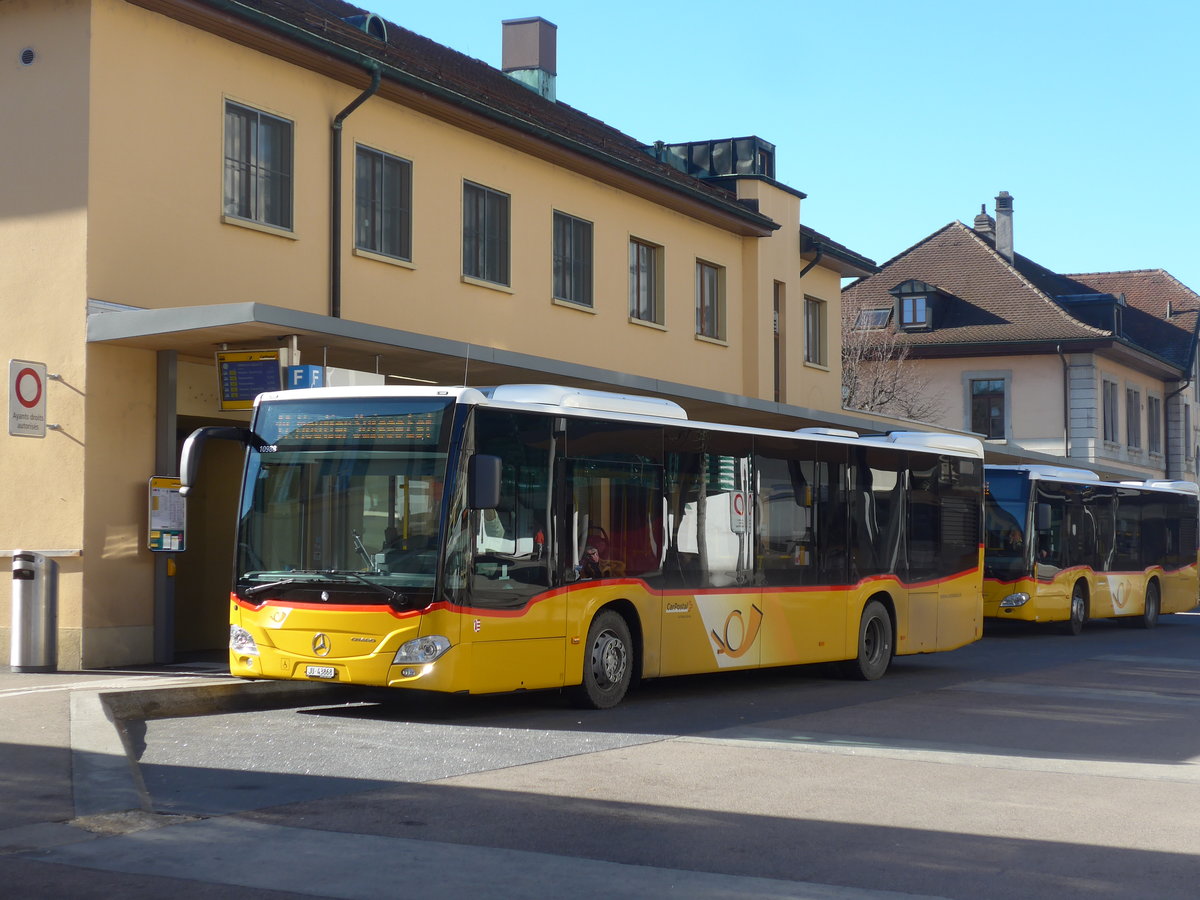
{"x":43,"y":233}
{"x":158,"y":216}
{"x":1035,"y":403}
{"x":1034,"y":395}
{"x":775,"y":260}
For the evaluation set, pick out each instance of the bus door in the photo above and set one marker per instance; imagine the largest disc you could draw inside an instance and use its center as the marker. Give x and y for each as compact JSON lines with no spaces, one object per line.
{"x":515,"y":624}
{"x":1049,"y":516}
{"x":712,"y":612}
{"x":924,"y":556}
{"x":1083,"y":522}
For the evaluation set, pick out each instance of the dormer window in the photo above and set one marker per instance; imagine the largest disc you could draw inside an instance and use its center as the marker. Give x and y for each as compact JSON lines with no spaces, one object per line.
{"x":914,"y":312}
{"x":916,"y":304}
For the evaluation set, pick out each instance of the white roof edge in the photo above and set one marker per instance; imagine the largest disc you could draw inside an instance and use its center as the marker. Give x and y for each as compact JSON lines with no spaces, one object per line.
{"x":1055,"y":473}
{"x":568,"y":398}
{"x":933,"y":440}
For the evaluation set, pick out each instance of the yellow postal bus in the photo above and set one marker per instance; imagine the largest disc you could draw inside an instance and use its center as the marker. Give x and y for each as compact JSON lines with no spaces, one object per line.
{"x":1063,"y":546}
{"x":532,"y":536}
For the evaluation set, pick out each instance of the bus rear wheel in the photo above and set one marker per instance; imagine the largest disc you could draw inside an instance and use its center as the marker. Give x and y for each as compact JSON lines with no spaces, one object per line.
{"x":607,"y":663}
{"x":1153,"y":606}
{"x":874,"y":645}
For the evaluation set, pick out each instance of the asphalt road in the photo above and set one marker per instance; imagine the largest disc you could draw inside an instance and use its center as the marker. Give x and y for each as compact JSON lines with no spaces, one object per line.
{"x":1029,"y":764}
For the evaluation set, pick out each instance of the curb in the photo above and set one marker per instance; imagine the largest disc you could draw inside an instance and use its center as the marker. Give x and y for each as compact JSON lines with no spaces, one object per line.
{"x":227,"y":696}
{"x":108,"y":730}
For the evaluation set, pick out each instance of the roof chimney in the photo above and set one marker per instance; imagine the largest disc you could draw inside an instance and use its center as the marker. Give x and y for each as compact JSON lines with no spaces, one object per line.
{"x":530,"y":54}
{"x":1004,"y":232}
{"x":984,"y":224}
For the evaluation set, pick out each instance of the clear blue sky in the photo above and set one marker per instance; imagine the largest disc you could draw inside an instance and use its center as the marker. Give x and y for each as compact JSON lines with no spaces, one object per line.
{"x":899,"y":117}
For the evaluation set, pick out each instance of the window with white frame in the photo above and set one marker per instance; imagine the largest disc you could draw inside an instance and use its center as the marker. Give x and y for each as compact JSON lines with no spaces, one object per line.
{"x":258,"y":166}
{"x":710,"y":300}
{"x":1133,"y":418}
{"x":382,"y":203}
{"x":1154,"y":424}
{"x":1112,"y":433}
{"x":572,"y":259}
{"x":645,"y":284}
{"x":814,"y":331}
{"x":485,"y":233}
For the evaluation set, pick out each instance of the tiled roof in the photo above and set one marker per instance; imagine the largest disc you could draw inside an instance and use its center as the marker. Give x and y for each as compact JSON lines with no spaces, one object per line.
{"x":994,"y":302}
{"x":483,"y":86}
{"x":1161,"y":311}
{"x":989,"y":300}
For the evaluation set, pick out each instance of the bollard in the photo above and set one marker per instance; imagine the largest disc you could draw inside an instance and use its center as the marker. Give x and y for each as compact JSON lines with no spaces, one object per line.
{"x":34,"y":613}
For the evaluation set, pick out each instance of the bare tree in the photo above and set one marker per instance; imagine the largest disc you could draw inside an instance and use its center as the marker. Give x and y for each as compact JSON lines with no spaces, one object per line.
{"x":878,"y":373}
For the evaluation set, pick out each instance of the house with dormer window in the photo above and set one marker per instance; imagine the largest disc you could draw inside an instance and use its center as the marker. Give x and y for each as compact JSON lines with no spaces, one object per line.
{"x":1092,"y":369}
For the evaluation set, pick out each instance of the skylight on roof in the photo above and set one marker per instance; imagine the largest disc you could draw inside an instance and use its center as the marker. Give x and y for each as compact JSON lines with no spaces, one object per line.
{"x":873,"y":318}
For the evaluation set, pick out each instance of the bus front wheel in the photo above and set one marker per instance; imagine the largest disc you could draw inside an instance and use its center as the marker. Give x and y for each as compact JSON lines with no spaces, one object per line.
{"x":1079,"y":610}
{"x":607,"y":662}
{"x":874,"y":645}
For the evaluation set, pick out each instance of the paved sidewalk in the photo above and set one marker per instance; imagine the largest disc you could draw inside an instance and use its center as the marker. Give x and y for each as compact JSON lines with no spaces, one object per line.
{"x":69,"y":741}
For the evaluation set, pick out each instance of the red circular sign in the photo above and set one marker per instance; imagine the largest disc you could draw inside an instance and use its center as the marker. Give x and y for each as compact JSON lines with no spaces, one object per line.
{"x":739,"y":505}
{"x":37,"y":384}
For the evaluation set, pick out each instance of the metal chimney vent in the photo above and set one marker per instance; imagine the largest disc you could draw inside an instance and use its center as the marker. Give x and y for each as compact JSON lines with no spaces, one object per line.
{"x":369,"y":23}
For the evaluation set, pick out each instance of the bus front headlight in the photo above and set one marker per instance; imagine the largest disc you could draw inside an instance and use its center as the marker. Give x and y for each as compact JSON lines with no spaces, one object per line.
{"x":241,"y":641}
{"x":1020,"y":598}
{"x":421,"y":650}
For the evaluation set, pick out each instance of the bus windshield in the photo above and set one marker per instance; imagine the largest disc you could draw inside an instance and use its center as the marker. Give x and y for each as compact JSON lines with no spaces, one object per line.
{"x":345,"y":501}
{"x":1006,"y":500}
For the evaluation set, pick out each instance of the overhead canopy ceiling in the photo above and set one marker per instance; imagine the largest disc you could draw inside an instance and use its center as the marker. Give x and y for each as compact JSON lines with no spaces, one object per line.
{"x":406,"y":357}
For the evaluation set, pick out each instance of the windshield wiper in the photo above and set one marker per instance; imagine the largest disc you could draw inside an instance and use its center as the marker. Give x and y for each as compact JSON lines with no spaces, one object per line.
{"x":395,"y":598}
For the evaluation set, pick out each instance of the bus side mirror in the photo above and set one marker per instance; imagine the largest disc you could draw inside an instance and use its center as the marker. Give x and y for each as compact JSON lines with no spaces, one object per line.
{"x":196,"y":441}
{"x":1043,"y":517}
{"x":483,"y":481}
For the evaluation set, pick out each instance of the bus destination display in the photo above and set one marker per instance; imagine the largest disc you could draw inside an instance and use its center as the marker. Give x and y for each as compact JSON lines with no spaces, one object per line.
{"x":324,"y":427}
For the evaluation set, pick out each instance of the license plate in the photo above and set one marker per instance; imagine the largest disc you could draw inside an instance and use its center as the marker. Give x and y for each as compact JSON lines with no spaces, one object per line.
{"x":320,"y":672}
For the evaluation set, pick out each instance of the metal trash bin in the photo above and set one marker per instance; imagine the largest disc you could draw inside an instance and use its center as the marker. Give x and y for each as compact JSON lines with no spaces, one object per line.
{"x":34,"y":613}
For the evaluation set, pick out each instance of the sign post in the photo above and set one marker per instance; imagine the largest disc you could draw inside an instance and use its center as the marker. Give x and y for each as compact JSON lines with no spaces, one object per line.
{"x":26,"y":398}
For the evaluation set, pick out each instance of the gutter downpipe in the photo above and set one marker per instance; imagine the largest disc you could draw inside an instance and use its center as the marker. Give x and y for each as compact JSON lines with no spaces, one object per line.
{"x":816,"y":259}
{"x":1066,"y":402}
{"x":335,"y":194}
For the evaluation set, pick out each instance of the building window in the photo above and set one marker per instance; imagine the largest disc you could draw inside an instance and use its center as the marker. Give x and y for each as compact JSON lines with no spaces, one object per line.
{"x":1111,"y":434}
{"x":258,"y":166}
{"x":872,"y":319}
{"x":914,"y":312}
{"x":383,"y":203}
{"x":645,"y":286}
{"x":1133,"y":418}
{"x":987,"y":407}
{"x":710,"y":300}
{"x":814,"y":331}
{"x":1154,"y":429}
{"x":485,"y":234}
{"x":572,"y":259}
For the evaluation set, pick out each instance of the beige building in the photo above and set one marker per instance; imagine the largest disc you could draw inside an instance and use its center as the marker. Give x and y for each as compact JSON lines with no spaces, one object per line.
{"x":1094,"y":370}
{"x":183,"y":177}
